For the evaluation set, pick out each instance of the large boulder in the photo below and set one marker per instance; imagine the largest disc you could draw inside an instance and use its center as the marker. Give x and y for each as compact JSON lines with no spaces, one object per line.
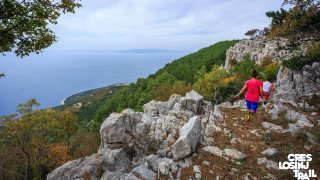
{"x":93,"y":166}
{"x":118,"y":129}
{"x":193,"y":102}
{"x":299,"y":88}
{"x":188,"y":138}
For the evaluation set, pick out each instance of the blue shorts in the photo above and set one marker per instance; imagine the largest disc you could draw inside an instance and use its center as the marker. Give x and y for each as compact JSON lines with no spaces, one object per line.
{"x":252,"y":105}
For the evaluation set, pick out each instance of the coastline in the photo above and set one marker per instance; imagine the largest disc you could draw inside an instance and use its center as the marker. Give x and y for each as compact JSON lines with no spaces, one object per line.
{"x":89,"y":92}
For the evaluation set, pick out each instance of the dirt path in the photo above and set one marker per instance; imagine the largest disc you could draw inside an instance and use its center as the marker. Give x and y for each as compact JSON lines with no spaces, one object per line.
{"x":251,"y":139}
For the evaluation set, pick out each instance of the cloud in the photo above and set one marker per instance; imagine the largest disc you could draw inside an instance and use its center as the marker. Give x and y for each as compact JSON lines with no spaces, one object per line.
{"x":166,"y":24}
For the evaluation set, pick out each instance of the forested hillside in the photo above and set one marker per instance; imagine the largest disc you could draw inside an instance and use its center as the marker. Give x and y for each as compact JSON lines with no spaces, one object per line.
{"x":176,"y":77}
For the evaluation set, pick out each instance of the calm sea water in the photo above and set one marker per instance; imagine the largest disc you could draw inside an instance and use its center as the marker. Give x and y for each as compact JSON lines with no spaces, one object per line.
{"x":50,"y":77}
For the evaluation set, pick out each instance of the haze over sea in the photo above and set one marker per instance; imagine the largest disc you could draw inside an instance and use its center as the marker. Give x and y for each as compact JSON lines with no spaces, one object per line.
{"x":52,"y":76}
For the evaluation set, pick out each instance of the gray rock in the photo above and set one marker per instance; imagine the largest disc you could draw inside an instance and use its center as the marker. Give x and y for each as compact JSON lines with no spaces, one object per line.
{"x":188,"y":138}
{"x":163,"y":165}
{"x":301,"y":120}
{"x":298,"y":87}
{"x":234,"y":154}
{"x":269,"y":151}
{"x":258,"y":49}
{"x":129,"y":176}
{"x":226,"y":105}
{"x":154,"y":108}
{"x":277,"y":109}
{"x":91,"y":166}
{"x":143,"y":172}
{"x":207,"y":163}
{"x":196,"y":170}
{"x":292,"y":128}
{"x":272,"y":127}
{"x":192,"y":102}
{"x":111,"y":175}
{"x":118,"y":128}
{"x":214,"y":150}
{"x":239,"y":104}
{"x":268,"y":163}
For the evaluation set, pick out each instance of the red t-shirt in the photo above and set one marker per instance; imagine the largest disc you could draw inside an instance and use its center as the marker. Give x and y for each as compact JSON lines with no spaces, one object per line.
{"x":253,"y":89}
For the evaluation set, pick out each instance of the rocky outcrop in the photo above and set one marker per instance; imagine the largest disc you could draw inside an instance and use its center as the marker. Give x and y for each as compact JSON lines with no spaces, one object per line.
{"x":93,"y":166}
{"x":300,"y":89}
{"x":140,"y":145}
{"x":258,"y":49}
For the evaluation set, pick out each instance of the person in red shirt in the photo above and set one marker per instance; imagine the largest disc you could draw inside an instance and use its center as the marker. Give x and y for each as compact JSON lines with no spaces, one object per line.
{"x":254,"y":89}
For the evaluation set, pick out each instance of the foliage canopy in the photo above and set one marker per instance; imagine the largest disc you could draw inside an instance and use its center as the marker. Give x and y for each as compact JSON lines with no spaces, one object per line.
{"x":24,"y":24}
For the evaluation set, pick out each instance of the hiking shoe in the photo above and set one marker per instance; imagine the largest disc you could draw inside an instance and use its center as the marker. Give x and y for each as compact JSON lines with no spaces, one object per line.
{"x":246,"y":117}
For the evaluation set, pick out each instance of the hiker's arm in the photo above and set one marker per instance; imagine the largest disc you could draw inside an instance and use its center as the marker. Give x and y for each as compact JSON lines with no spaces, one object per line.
{"x":242,"y":90}
{"x":261,"y":90}
{"x":272,"y":87}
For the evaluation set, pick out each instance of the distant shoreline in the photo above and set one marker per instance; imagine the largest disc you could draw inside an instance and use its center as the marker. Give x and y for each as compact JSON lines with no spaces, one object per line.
{"x":90,"y":91}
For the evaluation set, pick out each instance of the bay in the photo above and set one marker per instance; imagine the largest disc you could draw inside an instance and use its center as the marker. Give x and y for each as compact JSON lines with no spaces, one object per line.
{"x":52,"y":76}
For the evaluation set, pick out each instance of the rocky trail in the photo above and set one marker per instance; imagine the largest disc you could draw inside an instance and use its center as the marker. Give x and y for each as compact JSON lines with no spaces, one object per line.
{"x":262,"y":148}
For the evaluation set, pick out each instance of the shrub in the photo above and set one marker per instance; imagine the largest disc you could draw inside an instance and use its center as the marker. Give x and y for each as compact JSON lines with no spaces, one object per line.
{"x":298,"y":61}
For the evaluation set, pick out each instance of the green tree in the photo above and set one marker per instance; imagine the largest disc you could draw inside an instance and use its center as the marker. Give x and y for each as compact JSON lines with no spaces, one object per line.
{"x":24,"y":24}
{"x":300,"y":22}
{"x":211,"y":84}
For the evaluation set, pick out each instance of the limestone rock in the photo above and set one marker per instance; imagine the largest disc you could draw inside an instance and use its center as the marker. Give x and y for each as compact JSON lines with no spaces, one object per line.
{"x":92,"y":166}
{"x":298,"y":87}
{"x":214,"y":150}
{"x":234,"y":154}
{"x":192,"y":102}
{"x":188,"y":138}
{"x":143,"y":172}
{"x":272,"y":127}
{"x":269,"y":151}
{"x":301,"y":120}
{"x":268,"y":163}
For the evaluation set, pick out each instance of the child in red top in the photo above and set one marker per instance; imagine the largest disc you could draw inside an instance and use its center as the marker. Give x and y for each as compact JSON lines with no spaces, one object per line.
{"x":254,"y":89}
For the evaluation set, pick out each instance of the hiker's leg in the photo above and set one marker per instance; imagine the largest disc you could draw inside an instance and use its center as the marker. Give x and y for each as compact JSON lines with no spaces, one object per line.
{"x":254,"y":107}
{"x":248,"y":103}
{"x":247,"y":116}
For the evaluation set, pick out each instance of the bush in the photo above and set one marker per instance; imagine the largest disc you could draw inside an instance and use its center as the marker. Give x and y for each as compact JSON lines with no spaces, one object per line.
{"x":298,"y":61}
{"x":270,"y":71}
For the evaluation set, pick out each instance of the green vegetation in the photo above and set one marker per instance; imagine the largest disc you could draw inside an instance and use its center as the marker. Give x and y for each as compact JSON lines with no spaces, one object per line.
{"x":88,"y":102}
{"x":299,"y":60}
{"x":185,"y":68}
{"x":24,"y":25}
{"x":28,"y":140}
{"x":300,"y":22}
{"x":220,"y":85}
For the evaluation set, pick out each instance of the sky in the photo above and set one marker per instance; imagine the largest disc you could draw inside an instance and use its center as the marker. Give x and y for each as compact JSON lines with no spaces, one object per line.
{"x":184,"y":25}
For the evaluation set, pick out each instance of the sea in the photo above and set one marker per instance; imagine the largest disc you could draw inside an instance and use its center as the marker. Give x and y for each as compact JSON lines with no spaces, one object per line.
{"x":50,"y":77}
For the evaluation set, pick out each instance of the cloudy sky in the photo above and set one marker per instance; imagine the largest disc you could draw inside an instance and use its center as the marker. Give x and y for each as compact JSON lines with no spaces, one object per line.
{"x":185,"y":25}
